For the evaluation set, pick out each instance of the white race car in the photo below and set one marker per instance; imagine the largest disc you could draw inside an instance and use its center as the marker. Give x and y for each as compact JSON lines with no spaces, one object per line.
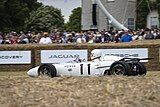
{"x":98,"y":66}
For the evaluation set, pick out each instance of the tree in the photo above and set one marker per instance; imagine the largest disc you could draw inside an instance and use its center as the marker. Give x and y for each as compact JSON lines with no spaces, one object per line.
{"x":142,"y":12}
{"x":45,"y":18}
{"x":17,"y":12}
{"x":32,"y":4}
{"x":74,"y":23}
{"x":14,"y":12}
{"x":158,"y":7}
{"x":4,"y":18}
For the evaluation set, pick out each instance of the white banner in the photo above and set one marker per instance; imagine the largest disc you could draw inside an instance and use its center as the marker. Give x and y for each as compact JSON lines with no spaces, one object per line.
{"x":62,"y":56}
{"x":15,"y":57}
{"x":127,"y":53}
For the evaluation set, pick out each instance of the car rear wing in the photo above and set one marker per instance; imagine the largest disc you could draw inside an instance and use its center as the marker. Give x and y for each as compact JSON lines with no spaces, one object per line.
{"x":134,"y":59}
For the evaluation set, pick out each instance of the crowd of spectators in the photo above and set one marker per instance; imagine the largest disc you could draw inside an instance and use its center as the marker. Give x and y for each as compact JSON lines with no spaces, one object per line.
{"x":78,"y":37}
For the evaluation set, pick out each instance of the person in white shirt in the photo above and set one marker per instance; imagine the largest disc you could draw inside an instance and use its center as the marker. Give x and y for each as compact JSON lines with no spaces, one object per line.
{"x":45,"y":39}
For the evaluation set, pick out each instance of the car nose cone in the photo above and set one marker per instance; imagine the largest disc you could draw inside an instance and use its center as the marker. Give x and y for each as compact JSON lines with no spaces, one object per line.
{"x":33,"y":72}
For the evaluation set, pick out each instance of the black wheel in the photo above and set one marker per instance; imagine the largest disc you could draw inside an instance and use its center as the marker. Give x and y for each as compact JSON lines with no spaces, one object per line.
{"x":48,"y":70}
{"x":106,"y":72}
{"x":138,"y":69}
{"x":120,"y":68}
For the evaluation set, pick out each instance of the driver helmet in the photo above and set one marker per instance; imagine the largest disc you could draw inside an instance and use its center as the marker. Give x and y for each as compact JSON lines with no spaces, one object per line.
{"x":96,"y":54}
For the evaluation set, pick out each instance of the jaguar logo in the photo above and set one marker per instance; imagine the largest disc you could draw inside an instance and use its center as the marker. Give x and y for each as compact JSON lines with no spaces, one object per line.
{"x":64,"y":56}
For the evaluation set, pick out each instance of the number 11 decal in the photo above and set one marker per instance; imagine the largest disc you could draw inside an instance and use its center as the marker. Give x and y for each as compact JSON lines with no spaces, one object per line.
{"x":89,"y":69}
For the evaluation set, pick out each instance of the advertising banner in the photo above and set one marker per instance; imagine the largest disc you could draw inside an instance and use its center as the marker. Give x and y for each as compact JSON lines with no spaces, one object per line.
{"x":63,"y":56}
{"x":15,"y":57}
{"x":127,"y":53}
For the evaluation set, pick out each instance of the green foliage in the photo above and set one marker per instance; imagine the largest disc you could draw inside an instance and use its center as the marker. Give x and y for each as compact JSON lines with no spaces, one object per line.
{"x":74,"y":23}
{"x":17,"y":12}
{"x":14,"y":12}
{"x":153,"y":5}
{"x":158,"y":8}
{"x":143,"y":10}
{"x":45,"y":18}
{"x":32,"y":4}
{"x":4,"y":19}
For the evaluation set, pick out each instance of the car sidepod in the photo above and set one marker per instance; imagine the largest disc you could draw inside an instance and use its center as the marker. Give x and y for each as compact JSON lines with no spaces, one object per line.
{"x":79,"y":69}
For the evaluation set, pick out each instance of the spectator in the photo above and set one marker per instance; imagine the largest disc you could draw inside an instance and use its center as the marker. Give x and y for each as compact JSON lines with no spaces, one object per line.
{"x":91,"y":37}
{"x":117,"y":38}
{"x":126,"y":37}
{"x":45,"y":39}
{"x":58,"y":39}
{"x":105,"y":38}
{"x":14,"y":38}
{"x":135,"y":35}
{"x":23,"y":38}
{"x":98,"y":37}
{"x":1,"y":37}
{"x":70,"y":38}
{"x":82,"y":37}
{"x":35,"y":37}
{"x":158,"y":35}
{"x":29,"y":36}
{"x":149,"y":35}
{"x":85,"y":36}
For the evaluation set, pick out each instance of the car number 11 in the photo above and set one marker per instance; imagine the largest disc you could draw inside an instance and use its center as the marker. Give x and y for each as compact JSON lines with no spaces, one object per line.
{"x":89,"y":69}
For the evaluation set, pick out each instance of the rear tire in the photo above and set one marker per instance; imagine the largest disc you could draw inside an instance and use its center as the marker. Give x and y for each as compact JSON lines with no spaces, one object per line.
{"x":120,"y":68}
{"x":139,"y":69}
{"x":48,"y":70}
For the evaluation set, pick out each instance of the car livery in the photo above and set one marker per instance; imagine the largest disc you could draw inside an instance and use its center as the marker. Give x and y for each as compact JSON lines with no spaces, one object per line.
{"x":98,"y":66}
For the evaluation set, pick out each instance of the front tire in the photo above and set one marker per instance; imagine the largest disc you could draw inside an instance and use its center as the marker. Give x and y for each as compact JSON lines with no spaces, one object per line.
{"x":48,"y":70}
{"x":120,"y":68}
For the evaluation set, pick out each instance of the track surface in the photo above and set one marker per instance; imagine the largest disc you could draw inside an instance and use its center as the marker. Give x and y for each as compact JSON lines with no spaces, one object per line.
{"x":19,"y":90}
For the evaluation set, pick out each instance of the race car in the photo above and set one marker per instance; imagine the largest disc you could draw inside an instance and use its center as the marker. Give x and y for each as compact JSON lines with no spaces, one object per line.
{"x":98,"y":66}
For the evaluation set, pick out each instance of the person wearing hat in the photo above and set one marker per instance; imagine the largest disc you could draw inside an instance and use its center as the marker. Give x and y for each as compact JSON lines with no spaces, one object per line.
{"x":45,"y":39}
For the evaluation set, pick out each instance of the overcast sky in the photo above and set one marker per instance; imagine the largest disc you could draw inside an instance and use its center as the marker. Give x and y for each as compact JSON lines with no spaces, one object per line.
{"x":66,"y":6}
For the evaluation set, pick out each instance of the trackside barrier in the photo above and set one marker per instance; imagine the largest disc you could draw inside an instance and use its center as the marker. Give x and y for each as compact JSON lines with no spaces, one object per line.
{"x":151,"y":65}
